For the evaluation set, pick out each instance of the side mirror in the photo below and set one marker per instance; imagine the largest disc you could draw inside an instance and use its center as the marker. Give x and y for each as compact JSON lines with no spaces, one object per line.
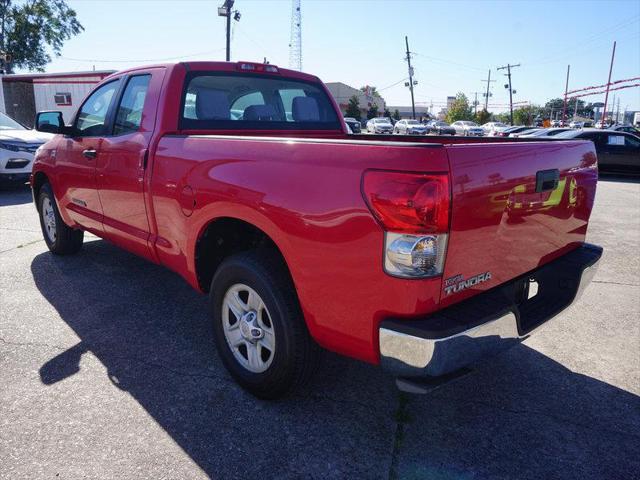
{"x":50,"y":122}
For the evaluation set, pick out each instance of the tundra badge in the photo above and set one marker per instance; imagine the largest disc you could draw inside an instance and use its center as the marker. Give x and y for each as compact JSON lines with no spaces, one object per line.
{"x":457,"y":283}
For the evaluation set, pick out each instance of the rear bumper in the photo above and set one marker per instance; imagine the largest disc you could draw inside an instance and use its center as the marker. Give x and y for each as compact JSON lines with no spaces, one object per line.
{"x":488,"y":323}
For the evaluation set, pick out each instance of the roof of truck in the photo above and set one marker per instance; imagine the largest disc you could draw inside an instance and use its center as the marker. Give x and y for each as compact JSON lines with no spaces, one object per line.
{"x":225,"y":66}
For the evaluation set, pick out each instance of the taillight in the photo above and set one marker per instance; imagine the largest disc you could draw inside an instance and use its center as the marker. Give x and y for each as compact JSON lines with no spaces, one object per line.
{"x":408,"y":202}
{"x":413,"y":209}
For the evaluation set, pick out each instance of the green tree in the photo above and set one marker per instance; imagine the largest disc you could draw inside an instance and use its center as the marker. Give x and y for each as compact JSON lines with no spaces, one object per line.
{"x":353,"y":108}
{"x":373,"y":90}
{"x":387,"y":112}
{"x":29,"y":29}
{"x":527,"y":114}
{"x":372,"y":112}
{"x":396,"y":114}
{"x":556,"y":104}
{"x":482,"y":117}
{"x":460,"y":110}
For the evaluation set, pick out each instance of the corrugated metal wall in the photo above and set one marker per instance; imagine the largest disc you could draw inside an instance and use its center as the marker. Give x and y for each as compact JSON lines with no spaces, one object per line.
{"x":46,"y":90}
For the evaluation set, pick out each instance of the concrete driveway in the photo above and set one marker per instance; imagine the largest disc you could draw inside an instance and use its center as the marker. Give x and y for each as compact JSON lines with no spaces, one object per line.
{"x":108,"y":370}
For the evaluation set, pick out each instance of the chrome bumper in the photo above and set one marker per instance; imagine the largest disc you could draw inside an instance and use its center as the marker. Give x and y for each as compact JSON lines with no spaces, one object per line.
{"x":488,"y":323}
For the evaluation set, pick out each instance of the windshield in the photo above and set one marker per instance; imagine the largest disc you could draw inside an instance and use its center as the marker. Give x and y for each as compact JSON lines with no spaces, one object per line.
{"x":8,"y":123}
{"x":413,"y":122}
{"x":470,"y":124}
{"x":442,"y":124}
{"x":381,"y":120}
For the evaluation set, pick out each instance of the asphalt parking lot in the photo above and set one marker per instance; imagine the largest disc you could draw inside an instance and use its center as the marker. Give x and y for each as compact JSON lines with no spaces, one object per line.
{"x":108,"y":370}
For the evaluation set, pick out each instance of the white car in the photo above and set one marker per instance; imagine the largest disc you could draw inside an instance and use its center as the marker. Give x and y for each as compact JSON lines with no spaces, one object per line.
{"x":17,"y":146}
{"x":409,"y":127}
{"x":544,"y":132}
{"x":467,"y":128}
{"x":491,"y":128}
{"x":379,"y":125}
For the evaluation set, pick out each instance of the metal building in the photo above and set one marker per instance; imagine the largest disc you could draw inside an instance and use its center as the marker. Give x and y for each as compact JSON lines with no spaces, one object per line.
{"x":22,"y":95}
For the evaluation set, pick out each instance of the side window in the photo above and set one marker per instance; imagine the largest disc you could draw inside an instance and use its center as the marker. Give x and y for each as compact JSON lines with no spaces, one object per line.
{"x":631,"y":142}
{"x":241,"y":104}
{"x":615,"y":140}
{"x":92,"y":116}
{"x":129,"y":114}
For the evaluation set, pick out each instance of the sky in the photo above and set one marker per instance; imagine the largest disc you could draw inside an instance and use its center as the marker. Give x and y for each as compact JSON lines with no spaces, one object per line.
{"x":361,"y":42}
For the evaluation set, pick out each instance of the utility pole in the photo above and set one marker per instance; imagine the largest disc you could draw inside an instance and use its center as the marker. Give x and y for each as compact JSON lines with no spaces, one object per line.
{"x":408,"y":59}
{"x":475,"y":103}
{"x":487,"y":94}
{"x":566,"y":89}
{"x":606,"y":95}
{"x":508,"y":66}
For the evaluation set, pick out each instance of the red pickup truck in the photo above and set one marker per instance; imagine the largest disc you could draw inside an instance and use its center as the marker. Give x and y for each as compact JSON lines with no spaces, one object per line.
{"x":423,"y":255}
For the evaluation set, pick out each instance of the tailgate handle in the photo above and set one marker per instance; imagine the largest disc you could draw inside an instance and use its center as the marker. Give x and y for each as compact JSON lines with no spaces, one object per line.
{"x":547,"y":180}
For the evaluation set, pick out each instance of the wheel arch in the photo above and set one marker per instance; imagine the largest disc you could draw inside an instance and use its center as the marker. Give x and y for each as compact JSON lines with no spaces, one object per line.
{"x":225,"y":235}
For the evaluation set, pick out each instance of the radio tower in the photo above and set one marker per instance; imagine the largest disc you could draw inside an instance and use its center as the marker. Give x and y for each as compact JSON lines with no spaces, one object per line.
{"x":295,"y":44}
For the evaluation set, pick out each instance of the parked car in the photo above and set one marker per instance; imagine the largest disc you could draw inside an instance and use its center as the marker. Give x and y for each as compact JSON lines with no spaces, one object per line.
{"x":556,"y":123}
{"x":302,"y":236}
{"x":409,"y":127}
{"x":380,"y":125}
{"x":543,"y":132}
{"x":354,"y":124}
{"x":618,"y":152}
{"x":17,"y":146}
{"x":527,"y":131}
{"x":576,"y":124}
{"x":441,"y":128}
{"x":491,"y":128}
{"x":626,"y":128}
{"x":512,"y":130}
{"x":468,"y":129}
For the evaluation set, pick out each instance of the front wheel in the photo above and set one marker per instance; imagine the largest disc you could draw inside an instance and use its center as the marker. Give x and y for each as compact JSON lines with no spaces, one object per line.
{"x":59,"y":237}
{"x":259,"y":329}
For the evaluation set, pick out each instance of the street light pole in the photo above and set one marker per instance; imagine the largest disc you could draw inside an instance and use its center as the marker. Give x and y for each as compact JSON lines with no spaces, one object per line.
{"x":225,"y":11}
{"x":229,"y":30}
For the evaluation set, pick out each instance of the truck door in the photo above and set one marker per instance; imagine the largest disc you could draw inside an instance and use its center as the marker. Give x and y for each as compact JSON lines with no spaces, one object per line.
{"x":123,"y":161}
{"x":77,"y":157}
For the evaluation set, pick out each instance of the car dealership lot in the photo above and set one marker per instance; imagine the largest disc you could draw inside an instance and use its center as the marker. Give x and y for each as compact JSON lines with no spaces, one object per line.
{"x":108,"y":370}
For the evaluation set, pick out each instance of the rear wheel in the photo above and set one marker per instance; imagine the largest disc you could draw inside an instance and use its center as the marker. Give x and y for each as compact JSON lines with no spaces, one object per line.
{"x":259,"y":329}
{"x":60,"y":238}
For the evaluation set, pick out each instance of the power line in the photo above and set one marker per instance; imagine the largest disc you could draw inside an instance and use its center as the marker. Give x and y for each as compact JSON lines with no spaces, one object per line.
{"x":148,"y":60}
{"x":392,"y":85}
{"x":449,"y":61}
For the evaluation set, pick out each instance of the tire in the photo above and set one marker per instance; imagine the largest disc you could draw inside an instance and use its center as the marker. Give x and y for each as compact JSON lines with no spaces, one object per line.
{"x":60,"y":238}
{"x":281,"y":357}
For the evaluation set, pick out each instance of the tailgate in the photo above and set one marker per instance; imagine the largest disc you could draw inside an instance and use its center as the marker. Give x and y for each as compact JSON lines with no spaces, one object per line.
{"x":504,"y":225}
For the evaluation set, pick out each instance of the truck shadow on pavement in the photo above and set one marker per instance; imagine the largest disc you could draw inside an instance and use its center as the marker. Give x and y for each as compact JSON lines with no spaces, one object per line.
{"x":521,"y":415}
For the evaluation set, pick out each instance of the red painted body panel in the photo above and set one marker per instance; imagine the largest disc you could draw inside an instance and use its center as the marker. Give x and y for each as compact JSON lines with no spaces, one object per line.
{"x":306,"y":197}
{"x":303,"y":189}
{"x":499,"y":224}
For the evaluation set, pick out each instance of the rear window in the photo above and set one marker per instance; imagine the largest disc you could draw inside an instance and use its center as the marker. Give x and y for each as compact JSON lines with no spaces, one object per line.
{"x":256,"y":102}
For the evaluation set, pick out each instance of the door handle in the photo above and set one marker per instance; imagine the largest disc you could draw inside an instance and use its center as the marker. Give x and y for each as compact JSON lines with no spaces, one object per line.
{"x":90,"y":153}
